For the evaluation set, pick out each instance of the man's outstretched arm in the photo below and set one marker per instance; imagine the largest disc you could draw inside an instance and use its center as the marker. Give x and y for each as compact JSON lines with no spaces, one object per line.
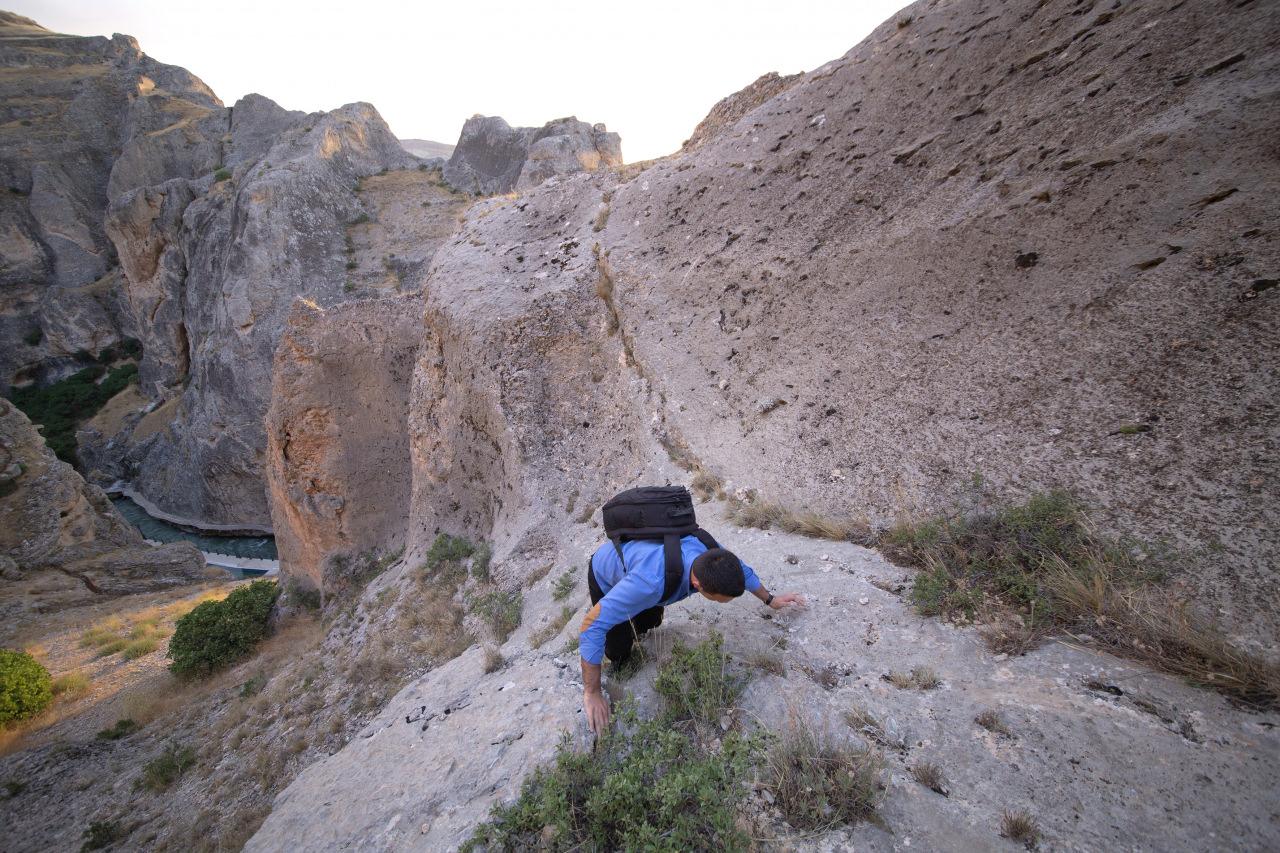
{"x":777,"y":602}
{"x":593,"y":701}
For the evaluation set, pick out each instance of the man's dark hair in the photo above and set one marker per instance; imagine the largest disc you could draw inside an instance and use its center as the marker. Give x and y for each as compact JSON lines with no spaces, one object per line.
{"x":719,"y":572}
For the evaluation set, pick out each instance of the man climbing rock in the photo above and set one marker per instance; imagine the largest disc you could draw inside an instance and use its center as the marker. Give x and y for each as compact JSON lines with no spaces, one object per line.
{"x":656,"y":555}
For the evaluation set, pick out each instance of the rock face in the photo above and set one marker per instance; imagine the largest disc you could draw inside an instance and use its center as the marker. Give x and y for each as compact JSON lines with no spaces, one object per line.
{"x":52,"y":520}
{"x":493,"y":157}
{"x":337,"y":444}
{"x":83,"y":119}
{"x":982,"y":252}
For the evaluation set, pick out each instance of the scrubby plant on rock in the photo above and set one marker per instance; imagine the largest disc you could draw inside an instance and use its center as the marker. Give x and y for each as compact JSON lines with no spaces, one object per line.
{"x":218,"y":633}
{"x":25,"y":686}
{"x":655,"y":784}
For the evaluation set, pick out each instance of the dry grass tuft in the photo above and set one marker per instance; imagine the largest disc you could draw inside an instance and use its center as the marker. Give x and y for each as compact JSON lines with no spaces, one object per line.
{"x":930,"y":775}
{"x":1038,"y":568}
{"x":764,"y":515}
{"x":925,"y":678}
{"x":706,"y":485}
{"x":493,"y":659}
{"x":1019,"y":825}
{"x":71,"y":686}
{"x":992,"y":722}
{"x":768,"y":662}
{"x":820,"y":782}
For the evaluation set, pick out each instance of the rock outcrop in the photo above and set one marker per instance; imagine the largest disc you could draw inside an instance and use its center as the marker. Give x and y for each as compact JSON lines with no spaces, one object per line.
{"x":728,"y":110}
{"x":337,"y":443}
{"x":52,"y":521}
{"x":493,"y":157}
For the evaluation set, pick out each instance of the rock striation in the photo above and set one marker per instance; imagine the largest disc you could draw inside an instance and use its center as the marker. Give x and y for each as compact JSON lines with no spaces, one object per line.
{"x":493,"y":157}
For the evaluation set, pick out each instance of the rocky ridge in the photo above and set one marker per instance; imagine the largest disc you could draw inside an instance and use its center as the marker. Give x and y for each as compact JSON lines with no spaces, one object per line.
{"x":493,"y":157}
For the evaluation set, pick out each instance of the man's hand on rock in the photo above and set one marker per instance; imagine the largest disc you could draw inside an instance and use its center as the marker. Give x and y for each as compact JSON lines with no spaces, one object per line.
{"x":788,"y":598}
{"x":597,"y":709}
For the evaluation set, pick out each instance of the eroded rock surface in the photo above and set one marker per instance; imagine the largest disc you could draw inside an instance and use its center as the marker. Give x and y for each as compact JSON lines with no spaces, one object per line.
{"x":337,"y":445}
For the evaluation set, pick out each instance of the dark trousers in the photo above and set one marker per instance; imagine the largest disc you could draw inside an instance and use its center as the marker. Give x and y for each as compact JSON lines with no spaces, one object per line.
{"x":621,"y":637}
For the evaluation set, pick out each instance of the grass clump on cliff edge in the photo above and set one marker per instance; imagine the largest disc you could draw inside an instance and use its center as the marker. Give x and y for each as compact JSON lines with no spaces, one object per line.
{"x":764,"y":515}
{"x":218,"y":633}
{"x":820,"y":781}
{"x":648,"y":785}
{"x":1036,"y":568}
{"x":60,"y":408}
{"x":25,"y":687}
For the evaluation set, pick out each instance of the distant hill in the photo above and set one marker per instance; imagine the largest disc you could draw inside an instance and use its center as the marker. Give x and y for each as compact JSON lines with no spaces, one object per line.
{"x":426,"y":148}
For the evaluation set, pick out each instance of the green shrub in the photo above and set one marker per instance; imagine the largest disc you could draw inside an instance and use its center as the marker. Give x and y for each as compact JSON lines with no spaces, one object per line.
{"x":60,"y":408}
{"x":164,"y":770}
{"x":218,"y":633}
{"x":448,"y":549}
{"x":122,"y":728}
{"x":100,"y":834}
{"x":480,"y":562}
{"x":221,"y":175}
{"x":696,"y":683}
{"x":25,"y":686}
{"x":646,"y":786}
{"x":563,"y":586}
{"x":500,"y":609}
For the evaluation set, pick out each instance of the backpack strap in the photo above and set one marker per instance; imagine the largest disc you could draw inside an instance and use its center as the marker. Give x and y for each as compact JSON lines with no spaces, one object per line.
{"x":617,"y":546}
{"x":706,"y":539}
{"x":673,"y":564}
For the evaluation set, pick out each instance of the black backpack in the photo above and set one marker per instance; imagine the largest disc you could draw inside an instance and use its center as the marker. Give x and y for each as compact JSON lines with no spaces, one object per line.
{"x":660,"y":514}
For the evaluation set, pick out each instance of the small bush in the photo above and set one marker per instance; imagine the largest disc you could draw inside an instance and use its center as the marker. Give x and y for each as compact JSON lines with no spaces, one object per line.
{"x":361,"y":219}
{"x":448,"y":549}
{"x":100,"y":834}
{"x":122,"y":728}
{"x":70,"y":686}
{"x":221,"y":175}
{"x":1019,"y":825}
{"x":135,"y":649}
{"x":646,"y":786}
{"x":696,"y":683}
{"x":218,"y":633}
{"x":25,"y":686}
{"x":162,"y":771}
{"x":819,"y":782}
{"x":493,"y":659}
{"x":13,"y":788}
{"x":33,"y":337}
{"x":930,"y":775}
{"x":992,"y":722}
{"x":764,"y":515}
{"x":500,"y":609}
{"x":769,"y":663}
{"x":563,"y":586}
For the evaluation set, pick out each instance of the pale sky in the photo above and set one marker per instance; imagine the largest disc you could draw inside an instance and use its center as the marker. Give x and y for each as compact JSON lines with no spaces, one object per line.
{"x":650,"y":71}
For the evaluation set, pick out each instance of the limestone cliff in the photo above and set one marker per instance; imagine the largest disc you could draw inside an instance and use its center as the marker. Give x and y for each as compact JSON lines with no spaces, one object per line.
{"x":82,"y":119}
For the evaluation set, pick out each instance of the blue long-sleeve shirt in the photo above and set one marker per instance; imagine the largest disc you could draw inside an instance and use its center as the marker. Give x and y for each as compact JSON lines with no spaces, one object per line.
{"x":638,"y":588}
